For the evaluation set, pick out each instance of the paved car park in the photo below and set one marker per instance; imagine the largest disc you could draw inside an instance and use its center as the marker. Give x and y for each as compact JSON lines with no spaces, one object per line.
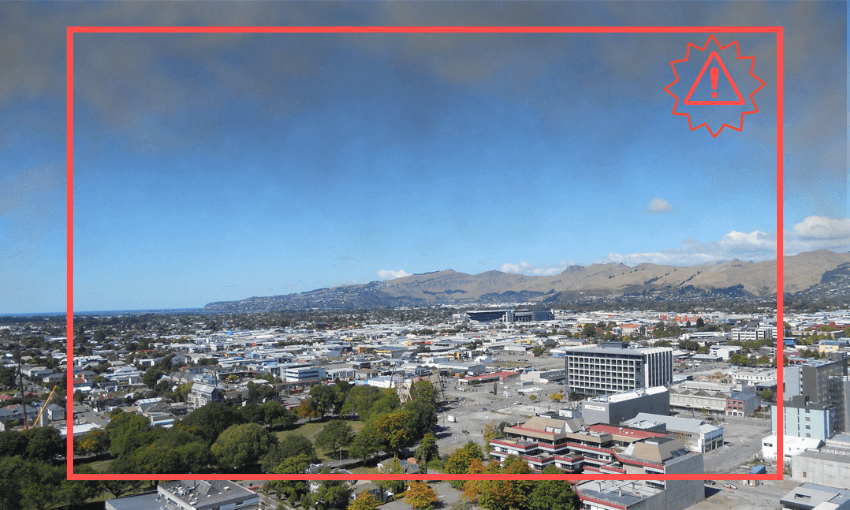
{"x":765,"y":495}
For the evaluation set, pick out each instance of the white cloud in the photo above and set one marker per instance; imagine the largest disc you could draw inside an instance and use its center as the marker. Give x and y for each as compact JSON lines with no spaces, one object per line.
{"x":823,"y":228}
{"x":387,"y":274}
{"x":533,"y":270}
{"x":813,"y":233}
{"x":659,"y":205}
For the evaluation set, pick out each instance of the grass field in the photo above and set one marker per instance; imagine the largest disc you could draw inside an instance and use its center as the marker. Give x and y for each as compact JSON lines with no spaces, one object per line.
{"x":311,"y":429}
{"x":100,"y":466}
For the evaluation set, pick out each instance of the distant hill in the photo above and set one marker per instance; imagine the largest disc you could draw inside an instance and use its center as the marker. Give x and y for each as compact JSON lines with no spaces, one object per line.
{"x":810,"y":275}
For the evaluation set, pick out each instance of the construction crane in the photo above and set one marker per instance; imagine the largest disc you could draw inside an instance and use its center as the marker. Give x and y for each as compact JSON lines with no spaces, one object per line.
{"x":44,"y":407}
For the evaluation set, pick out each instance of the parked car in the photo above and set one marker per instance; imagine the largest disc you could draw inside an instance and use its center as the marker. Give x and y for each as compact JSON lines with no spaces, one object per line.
{"x":730,"y":486}
{"x":710,"y":482}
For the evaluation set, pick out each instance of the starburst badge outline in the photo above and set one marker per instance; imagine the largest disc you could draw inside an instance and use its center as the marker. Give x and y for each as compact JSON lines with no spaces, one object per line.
{"x":738,"y":54}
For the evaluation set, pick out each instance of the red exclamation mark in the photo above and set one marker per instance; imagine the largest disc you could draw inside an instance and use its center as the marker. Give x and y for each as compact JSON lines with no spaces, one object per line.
{"x":714,"y":72}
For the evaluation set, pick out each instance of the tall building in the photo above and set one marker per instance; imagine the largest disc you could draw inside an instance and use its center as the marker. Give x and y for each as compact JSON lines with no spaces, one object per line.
{"x":821,"y":382}
{"x":804,"y":418}
{"x":608,"y":370}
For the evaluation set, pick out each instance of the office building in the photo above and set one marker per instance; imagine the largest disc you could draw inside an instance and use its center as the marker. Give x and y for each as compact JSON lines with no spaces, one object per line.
{"x":804,"y":418}
{"x":303,"y":373}
{"x":619,"y":407}
{"x":601,"y":449}
{"x":822,"y":382}
{"x":609,"y":370}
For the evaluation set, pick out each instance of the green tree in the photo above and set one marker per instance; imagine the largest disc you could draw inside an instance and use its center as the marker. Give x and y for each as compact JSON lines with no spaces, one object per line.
{"x":336,"y":434}
{"x":324,"y":398}
{"x":293,"y":490}
{"x":341,"y":391}
{"x":366,"y":443}
{"x":211,"y":420}
{"x":388,"y":403}
{"x":331,"y":494}
{"x":175,"y":451}
{"x":588,"y":330}
{"x":360,"y":400}
{"x":12,"y":443}
{"x":11,"y":470}
{"x":422,"y":409}
{"x":44,"y":443}
{"x":392,"y":431}
{"x":458,"y":462}
{"x":41,"y":484}
{"x":182,"y":392}
{"x":290,"y":446}
{"x":427,"y":450}
{"x":252,"y":413}
{"x":550,"y":494}
{"x":276,"y":415}
{"x":127,"y":432}
{"x":240,"y":447}
{"x":151,"y":376}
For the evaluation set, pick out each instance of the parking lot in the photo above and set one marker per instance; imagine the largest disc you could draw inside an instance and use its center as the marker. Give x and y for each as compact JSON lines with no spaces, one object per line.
{"x":475,"y":407}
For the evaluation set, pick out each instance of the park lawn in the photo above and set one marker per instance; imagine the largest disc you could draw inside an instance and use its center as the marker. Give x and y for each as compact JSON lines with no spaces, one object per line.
{"x":100,"y":466}
{"x":311,"y":429}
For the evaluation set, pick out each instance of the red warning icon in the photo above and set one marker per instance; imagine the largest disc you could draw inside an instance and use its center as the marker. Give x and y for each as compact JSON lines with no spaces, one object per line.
{"x":714,"y":75}
{"x":723,"y":87}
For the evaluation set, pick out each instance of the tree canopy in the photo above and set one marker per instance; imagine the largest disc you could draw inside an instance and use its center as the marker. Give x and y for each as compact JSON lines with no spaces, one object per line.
{"x":240,"y":447}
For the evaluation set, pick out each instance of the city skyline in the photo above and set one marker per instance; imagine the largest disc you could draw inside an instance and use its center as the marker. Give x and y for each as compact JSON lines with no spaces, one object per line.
{"x":217,"y":167}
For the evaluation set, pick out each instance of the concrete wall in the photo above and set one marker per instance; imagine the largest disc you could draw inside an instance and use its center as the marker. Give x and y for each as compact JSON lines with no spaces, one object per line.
{"x":683,"y":494}
{"x":821,"y":471}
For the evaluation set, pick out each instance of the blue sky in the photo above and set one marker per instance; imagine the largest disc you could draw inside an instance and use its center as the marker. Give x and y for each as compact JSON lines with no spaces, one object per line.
{"x":216,"y":167}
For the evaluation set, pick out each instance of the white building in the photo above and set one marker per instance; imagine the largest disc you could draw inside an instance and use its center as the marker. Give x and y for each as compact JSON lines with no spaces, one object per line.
{"x":606,"y":370}
{"x":303,"y":373}
{"x":724,"y":351}
{"x":696,"y":434}
{"x":791,"y":446}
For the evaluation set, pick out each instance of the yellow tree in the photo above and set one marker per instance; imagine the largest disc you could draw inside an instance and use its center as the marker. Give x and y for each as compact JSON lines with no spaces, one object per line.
{"x":507,"y":494}
{"x":472,"y":488}
{"x":557,"y":397}
{"x":420,"y":496}
{"x":365,"y":501}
